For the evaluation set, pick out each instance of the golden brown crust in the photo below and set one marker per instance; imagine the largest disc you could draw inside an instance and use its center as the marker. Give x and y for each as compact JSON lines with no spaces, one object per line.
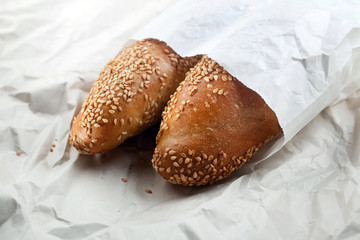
{"x":129,"y":95}
{"x":211,"y":126}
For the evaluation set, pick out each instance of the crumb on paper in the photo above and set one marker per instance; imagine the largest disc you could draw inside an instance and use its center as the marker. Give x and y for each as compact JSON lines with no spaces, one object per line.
{"x":18,"y":153}
{"x":51,"y":149}
{"x":130,"y":166}
{"x":53,"y":145}
{"x":124,"y":180}
{"x":148,"y":191}
{"x":55,"y":139}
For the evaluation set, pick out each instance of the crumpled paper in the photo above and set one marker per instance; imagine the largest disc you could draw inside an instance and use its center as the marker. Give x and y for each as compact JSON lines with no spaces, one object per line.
{"x":52,"y":51}
{"x":297,"y":57}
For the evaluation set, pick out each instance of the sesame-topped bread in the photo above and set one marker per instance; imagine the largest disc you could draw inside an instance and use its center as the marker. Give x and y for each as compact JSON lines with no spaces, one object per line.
{"x":211,"y":126}
{"x":129,"y":95}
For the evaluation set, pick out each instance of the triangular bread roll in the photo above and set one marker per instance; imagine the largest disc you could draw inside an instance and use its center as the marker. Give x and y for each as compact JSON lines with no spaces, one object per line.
{"x":129,"y":95}
{"x":211,"y":126}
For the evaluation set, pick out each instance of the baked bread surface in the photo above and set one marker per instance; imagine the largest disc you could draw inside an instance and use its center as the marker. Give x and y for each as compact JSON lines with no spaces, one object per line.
{"x":129,"y":95}
{"x":211,"y":126}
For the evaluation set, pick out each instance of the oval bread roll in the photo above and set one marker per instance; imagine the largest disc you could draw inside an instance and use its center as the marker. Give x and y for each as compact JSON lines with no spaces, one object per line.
{"x":211,"y":126}
{"x":129,"y":95}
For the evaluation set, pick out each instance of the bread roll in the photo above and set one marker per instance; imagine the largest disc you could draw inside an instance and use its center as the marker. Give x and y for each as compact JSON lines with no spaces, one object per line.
{"x":211,"y":126}
{"x":129,"y":95}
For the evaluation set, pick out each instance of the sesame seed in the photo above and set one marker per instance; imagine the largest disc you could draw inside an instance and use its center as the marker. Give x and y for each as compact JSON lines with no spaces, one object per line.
{"x":183,"y":177}
{"x":96,"y":125}
{"x":176,"y":164}
{"x":119,"y":138}
{"x":168,"y":170}
{"x":173,"y":157}
{"x":112,"y":111}
{"x":124,"y":133}
{"x":172,"y":152}
{"x":161,"y":169}
{"x":105,"y":120}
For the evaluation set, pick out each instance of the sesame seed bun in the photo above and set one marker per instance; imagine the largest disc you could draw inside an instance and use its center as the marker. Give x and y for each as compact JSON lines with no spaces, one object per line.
{"x":129,"y":95}
{"x":211,"y":126}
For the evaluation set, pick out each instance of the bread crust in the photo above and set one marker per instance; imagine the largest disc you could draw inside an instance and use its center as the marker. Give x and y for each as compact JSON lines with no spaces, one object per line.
{"x":129,"y":95}
{"x":211,"y":126}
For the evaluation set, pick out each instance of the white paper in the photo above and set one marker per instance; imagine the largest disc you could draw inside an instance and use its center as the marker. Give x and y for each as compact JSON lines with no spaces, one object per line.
{"x":295,"y":55}
{"x":50,"y":54}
